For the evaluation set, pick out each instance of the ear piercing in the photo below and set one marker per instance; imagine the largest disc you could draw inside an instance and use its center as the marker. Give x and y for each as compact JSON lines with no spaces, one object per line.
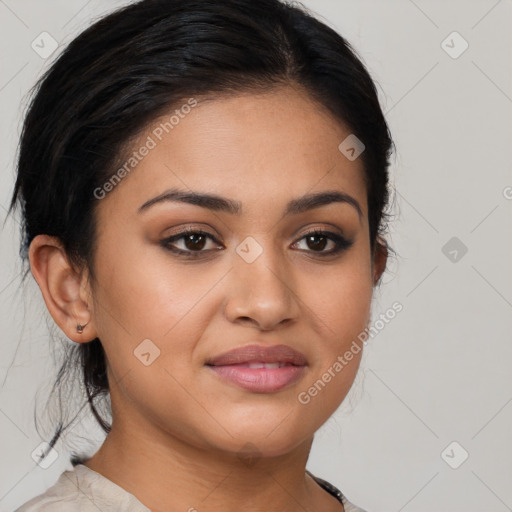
{"x":80,"y":328}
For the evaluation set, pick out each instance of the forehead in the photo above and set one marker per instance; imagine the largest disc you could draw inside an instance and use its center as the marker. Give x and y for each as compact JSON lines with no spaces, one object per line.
{"x":256,"y":148}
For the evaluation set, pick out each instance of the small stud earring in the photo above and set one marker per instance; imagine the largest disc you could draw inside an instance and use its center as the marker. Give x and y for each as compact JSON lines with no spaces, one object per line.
{"x":80,"y":328}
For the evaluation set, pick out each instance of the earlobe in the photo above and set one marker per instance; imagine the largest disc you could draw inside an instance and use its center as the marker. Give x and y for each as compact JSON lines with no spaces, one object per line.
{"x":60,"y":285}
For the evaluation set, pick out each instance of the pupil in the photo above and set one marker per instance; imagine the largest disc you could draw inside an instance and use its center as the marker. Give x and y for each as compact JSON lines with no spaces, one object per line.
{"x":320,"y":245}
{"x":191,"y":244}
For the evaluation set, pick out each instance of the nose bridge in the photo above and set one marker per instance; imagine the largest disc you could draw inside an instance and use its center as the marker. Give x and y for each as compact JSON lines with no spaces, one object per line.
{"x":262,"y":290}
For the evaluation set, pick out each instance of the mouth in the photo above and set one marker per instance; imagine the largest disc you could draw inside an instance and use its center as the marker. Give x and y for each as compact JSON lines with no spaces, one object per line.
{"x":258,"y":368}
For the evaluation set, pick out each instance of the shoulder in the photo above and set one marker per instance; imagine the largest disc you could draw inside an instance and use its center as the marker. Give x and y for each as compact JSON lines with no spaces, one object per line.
{"x":83,"y":490}
{"x":63,"y":495}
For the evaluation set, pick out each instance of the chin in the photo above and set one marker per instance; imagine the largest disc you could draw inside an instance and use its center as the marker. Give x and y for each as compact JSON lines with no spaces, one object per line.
{"x":262,"y":440}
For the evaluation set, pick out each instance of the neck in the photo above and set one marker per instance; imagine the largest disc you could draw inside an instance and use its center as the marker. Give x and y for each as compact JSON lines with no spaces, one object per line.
{"x":166,"y":473}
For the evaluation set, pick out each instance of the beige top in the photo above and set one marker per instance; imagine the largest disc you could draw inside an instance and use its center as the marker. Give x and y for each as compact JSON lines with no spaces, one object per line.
{"x":83,"y":490}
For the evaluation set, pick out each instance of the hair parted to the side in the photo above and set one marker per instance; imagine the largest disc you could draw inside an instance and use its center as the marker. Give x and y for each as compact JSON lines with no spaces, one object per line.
{"x":139,"y":62}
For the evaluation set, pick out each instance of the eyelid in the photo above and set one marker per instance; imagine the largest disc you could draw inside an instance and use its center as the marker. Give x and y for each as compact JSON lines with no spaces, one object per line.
{"x":326,"y":229}
{"x":192,"y":231}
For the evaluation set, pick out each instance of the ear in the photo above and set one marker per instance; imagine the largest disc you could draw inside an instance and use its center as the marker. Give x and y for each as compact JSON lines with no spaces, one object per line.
{"x":380,"y":258}
{"x":65,"y":291}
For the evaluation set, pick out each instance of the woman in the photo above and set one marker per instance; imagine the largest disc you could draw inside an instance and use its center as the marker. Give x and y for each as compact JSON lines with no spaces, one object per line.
{"x":204,"y":186}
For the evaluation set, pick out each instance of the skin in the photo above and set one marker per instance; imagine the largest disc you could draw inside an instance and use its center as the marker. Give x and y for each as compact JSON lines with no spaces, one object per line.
{"x":178,"y":429}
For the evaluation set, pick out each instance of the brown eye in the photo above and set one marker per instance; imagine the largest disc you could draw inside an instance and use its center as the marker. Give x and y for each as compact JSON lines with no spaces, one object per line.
{"x":317,"y":240}
{"x":193,"y":242}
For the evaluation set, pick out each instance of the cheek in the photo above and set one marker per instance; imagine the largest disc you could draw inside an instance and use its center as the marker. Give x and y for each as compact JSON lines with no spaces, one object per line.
{"x":145,"y":293}
{"x":340,"y":297}
{"x":339,"y":310}
{"x":342,"y":313}
{"x":148,"y":297}
{"x":348,"y":310}
{"x":150,"y":316}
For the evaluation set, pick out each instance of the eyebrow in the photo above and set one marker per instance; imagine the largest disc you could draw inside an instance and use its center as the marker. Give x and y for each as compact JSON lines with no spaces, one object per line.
{"x":223,"y":204}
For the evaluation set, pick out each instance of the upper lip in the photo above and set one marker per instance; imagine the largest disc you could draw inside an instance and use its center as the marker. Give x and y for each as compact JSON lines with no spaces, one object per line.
{"x":259,"y":353}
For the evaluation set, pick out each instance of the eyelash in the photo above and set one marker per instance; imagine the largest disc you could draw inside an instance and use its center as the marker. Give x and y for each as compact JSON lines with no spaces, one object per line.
{"x":342,"y":244}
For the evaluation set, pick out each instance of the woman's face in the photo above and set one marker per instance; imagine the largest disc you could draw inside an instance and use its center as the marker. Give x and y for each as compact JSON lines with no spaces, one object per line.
{"x":255,"y":276}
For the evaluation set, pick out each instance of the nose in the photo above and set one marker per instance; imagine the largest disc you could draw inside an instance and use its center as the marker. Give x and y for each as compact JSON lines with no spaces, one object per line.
{"x":262,"y":292}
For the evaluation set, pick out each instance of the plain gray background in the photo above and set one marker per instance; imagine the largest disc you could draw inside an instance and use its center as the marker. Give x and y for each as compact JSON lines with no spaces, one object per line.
{"x":439,"y":372}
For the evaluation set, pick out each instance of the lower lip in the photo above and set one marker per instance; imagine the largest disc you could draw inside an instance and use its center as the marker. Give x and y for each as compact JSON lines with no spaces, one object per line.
{"x":259,"y":380}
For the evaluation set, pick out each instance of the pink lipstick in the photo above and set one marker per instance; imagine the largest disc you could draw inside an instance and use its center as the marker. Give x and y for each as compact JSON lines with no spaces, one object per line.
{"x":258,"y":368}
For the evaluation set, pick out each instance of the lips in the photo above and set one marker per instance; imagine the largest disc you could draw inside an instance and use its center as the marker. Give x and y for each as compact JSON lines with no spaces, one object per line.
{"x":281,"y":354}
{"x":259,"y":369}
